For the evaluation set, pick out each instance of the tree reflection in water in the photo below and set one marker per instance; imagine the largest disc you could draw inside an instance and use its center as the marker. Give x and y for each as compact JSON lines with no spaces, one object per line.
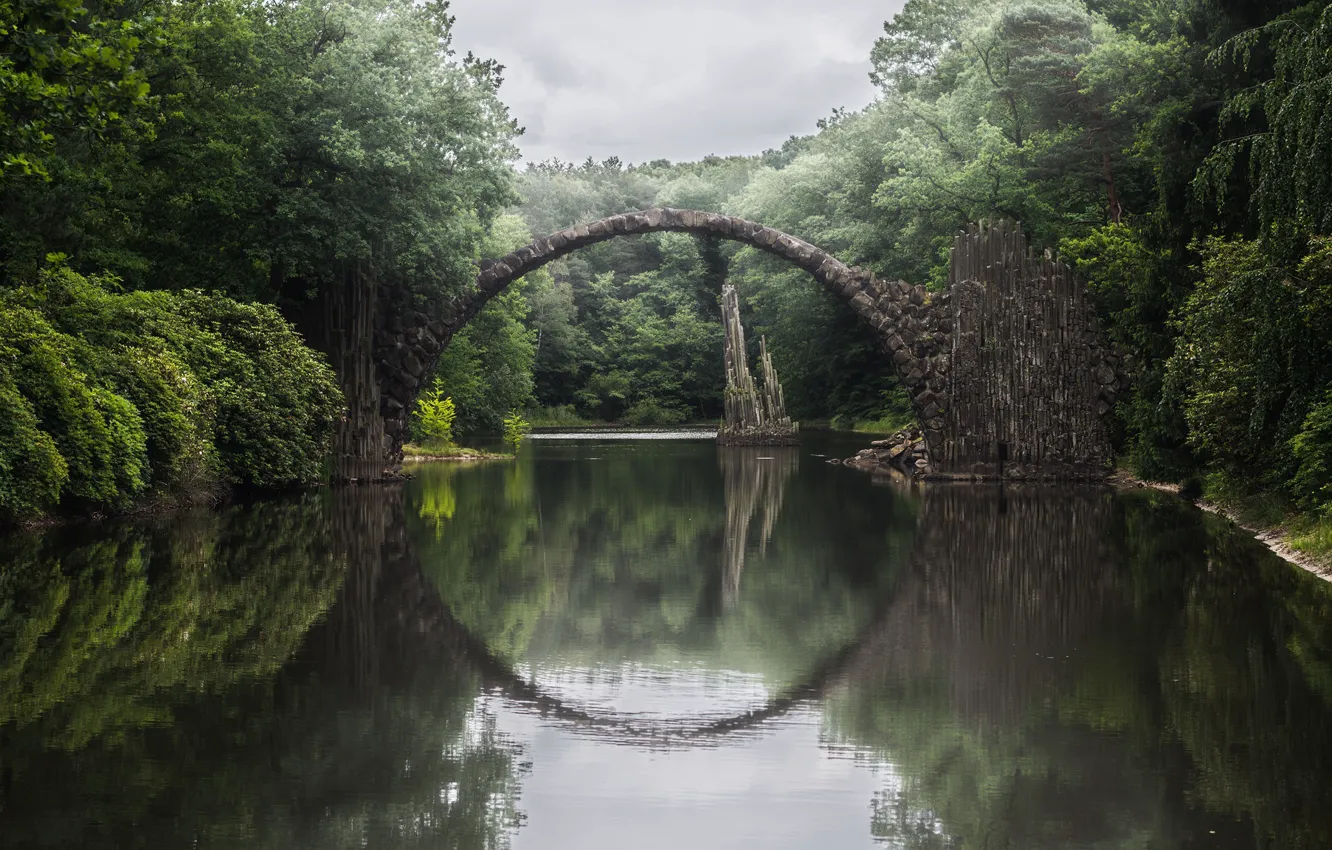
{"x":161,"y":705}
{"x":1081,"y":669}
{"x":1026,"y":667}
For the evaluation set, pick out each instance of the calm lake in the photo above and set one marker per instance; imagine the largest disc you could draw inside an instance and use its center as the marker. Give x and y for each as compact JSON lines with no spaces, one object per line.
{"x":654,"y":643}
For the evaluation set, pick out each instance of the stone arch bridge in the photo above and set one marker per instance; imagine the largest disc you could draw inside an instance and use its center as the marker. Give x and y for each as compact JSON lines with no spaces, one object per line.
{"x":1005,"y":368}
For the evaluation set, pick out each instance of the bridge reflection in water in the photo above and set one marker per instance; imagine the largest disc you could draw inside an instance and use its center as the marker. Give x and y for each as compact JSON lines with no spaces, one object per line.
{"x":997,"y":577}
{"x":1031,"y":677}
{"x":1044,"y":668}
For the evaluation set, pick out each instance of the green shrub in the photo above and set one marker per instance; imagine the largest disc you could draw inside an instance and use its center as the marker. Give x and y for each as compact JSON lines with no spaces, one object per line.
{"x":1312,"y":447}
{"x":649,"y":411}
{"x":177,"y":413}
{"x":32,"y":472}
{"x":558,"y":416}
{"x":1250,"y":366}
{"x":515,"y":428}
{"x":99,"y":434}
{"x":435,"y":413}
{"x":276,"y":402}
{"x":111,"y":338}
{"x":107,"y":395}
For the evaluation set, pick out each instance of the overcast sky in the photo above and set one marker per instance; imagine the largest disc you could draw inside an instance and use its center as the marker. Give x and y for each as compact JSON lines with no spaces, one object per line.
{"x":673,"y":79}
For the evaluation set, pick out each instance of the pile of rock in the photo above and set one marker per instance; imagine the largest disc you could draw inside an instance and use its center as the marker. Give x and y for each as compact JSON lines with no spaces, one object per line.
{"x":904,"y":450}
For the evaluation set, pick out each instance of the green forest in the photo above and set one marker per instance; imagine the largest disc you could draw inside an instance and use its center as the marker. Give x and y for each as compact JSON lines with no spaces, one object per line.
{"x":182,"y":181}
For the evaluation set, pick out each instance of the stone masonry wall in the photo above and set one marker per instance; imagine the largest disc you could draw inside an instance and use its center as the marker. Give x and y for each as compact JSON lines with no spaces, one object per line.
{"x":1031,"y":380}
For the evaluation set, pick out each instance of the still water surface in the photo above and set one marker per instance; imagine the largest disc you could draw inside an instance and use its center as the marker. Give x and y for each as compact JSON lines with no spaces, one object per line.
{"x":657,"y":644}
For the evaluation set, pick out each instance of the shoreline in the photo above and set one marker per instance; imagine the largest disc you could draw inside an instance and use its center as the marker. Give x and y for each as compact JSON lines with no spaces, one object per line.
{"x":459,"y":458}
{"x":1274,"y":538}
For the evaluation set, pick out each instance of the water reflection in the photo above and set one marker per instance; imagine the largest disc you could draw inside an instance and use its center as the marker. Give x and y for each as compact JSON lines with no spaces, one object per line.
{"x":1084,"y":670}
{"x":100,"y":629}
{"x":661,"y":645}
{"x":755,"y":484}
{"x":155,"y":696}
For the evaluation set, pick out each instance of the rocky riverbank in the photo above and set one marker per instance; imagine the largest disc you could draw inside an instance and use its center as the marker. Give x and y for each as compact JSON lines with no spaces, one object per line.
{"x":904,"y":451}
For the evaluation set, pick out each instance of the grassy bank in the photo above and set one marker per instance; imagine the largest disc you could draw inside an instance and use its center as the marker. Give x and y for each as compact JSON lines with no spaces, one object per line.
{"x":447,"y":451}
{"x":885,"y":425}
{"x":562,"y":416}
{"x":1306,"y":533}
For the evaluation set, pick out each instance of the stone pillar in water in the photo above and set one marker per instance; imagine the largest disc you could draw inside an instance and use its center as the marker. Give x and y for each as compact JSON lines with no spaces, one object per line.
{"x":753,"y":416}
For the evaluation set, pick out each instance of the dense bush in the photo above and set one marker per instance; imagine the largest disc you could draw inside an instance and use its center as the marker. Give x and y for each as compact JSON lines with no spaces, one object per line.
{"x":32,"y":470}
{"x":96,"y":433}
{"x":1252,"y":366}
{"x":276,"y":401}
{"x":107,"y":398}
{"x":649,"y":411}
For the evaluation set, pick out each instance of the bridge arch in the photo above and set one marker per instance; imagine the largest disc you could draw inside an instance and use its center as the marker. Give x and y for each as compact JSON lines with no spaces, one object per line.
{"x":901,"y":315}
{"x":1005,"y":368}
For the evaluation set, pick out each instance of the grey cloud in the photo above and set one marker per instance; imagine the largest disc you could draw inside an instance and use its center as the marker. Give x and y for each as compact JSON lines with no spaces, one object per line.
{"x":676,"y":79}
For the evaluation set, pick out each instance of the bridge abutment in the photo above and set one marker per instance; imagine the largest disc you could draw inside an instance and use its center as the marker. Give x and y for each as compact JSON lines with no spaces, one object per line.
{"x":1030,"y":379}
